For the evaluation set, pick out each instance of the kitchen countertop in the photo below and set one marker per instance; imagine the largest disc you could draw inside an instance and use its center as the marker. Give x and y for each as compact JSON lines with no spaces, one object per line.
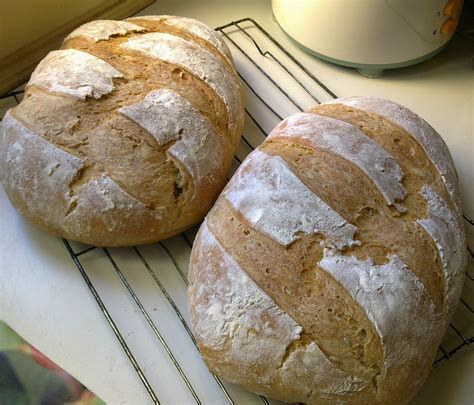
{"x":43,"y":297}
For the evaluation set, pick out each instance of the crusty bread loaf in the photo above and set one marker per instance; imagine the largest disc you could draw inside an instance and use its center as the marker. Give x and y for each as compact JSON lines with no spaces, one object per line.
{"x":126,"y":134}
{"x":330,"y":265}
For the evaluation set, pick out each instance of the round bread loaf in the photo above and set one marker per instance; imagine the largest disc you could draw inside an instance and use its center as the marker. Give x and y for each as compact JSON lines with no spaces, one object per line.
{"x":331,"y":264}
{"x":126,"y":134}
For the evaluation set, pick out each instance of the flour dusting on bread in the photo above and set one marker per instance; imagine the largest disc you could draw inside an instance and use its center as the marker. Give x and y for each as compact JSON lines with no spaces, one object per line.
{"x":100,"y":30}
{"x":350,"y":143}
{"x":37,"y":170}
{"x":451,"y":244}
{"x":309,"y":370}
{"x":274,"y":200}
{"x":75,"y":73}
{"x":194,"y":27}
{"x":201,"y":62}
{"x":394,"y":299}
{"x":202,"y":31}
{"x":238,"y":314}
{"x":169,"y":117}
{"x":419,"y":129}
{"x":372,"y":316}
{"x":102,"y":199}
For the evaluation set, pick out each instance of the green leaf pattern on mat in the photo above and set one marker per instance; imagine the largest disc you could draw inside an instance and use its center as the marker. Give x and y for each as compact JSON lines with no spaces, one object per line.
{"x":29,"y":377}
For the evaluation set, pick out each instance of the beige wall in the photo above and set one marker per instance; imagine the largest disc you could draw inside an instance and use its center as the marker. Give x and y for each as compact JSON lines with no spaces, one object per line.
{"x":23,"y":21}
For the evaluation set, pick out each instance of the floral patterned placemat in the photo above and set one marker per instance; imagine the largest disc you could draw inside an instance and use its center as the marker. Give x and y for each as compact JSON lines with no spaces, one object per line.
{"x":29,"y":377}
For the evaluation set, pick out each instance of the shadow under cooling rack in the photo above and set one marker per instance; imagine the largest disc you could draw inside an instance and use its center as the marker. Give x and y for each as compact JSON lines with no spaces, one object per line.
{"x":276,"y":85}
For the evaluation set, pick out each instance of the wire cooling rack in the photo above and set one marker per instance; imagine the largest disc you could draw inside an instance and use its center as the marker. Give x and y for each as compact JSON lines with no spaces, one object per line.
{"x":274,"y":79}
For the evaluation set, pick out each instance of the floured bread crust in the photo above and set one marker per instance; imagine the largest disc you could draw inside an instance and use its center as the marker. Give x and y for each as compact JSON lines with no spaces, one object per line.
{"x":331,"y":135}
{"x":432,"y":143}
{"x":195,"y":59}
{"x":192,"y":27}
{"x":339,"y":239}
{"x":290,"y":208}
{"x":102,"y":30}
{"x":132,"y":143}
{"x":74,"y":73}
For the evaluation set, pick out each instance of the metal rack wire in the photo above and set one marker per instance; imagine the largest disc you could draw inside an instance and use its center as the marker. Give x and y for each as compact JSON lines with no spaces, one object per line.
{"x":250,"y":31}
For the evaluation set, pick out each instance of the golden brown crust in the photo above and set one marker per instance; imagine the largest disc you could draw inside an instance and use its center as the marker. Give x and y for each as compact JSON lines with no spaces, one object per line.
{"x":408,"y":153}
{"x":163,"y":26}
{"x":174,"y":191}
{"x":287,"y":275}
{"x":362,"y":275}
{"x":382,"y":230}
{"x":145,"y":74}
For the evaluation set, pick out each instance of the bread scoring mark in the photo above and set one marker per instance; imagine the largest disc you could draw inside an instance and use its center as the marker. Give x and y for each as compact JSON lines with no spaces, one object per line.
{"x":334,"y":180}
{"x":242,"y":320}
{"x":288,"y":274}
{"x":43,"y":176}
{"x":195,"y":27}
{"x":145,"y":73}
{"x":419,"y":171}
{"x":237,"y":314}
{"x":197,"y":60}
{"x":419,"y":129}
{"x":115,"y":136}
{"x":169,"y":117}
{"x":101,"y":30}
{"x":308,"y":370}
{"x":37,"y":171}
{"x":103,"y":199}
{"x":164,"y":114}
{"x":276,"y":202}
{"x":202,"y":31}
{"x":442,"y":225}
{"x":75,"y":73}
{"x":350,"y":143}
{"x":396,"y":302}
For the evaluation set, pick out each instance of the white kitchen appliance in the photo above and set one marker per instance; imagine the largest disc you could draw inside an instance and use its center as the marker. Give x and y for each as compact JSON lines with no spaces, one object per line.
{"x":370,"y":35}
